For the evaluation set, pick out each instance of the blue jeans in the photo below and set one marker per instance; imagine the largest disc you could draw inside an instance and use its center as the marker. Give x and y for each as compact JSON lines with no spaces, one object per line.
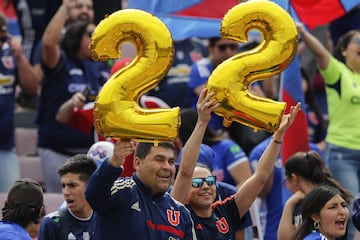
{"x":344,"y":165}
{"x":9,"y":169}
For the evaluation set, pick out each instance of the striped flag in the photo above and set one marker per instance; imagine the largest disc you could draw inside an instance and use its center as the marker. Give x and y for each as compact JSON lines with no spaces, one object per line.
{"x":313,"y":13}
{"x":202,"y":18}
{"x":188,"y":18}
{"x":296,"y":138}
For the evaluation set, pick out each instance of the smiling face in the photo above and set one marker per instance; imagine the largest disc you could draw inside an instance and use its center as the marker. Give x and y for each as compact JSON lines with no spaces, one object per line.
{"x":333,"y":218}
{"x":73,"y":190}
{"x":157,"y":170}
{"x":202,"y":197}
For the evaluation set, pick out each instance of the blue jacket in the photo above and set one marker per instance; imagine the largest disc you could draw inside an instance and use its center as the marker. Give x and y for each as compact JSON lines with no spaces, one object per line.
{"x":125,"y":209}
{"x":61,"y":224}
{"x":59,"y":84}
{"x":8,"y":83}
{"x":13,"y":231}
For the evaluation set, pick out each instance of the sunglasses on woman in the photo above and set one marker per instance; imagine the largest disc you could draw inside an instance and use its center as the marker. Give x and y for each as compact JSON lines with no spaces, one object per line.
{"x":198,"y":182}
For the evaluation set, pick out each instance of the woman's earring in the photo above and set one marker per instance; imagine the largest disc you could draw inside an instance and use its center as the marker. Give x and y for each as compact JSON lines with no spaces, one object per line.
{"x":316,"y":225}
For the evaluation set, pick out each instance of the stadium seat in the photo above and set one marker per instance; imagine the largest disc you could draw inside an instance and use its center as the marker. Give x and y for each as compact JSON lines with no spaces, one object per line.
{"x":30,"y":167}
{"x":53,"y":201}
{"x":26,"y":141}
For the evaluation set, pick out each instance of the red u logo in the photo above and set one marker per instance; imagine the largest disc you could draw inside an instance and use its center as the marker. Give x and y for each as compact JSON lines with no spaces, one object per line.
{"x":173,"y":217}
{"x":222,"y":225}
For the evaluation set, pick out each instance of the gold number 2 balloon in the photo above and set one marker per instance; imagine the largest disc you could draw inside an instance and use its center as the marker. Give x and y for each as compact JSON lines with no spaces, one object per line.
{"x":231,"y":80}
{"x":117,"y":112}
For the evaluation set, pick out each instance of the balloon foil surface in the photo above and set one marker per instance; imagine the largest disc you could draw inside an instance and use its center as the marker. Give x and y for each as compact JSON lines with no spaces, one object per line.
{"x":117,"y":112}
{"x":231,"y":80}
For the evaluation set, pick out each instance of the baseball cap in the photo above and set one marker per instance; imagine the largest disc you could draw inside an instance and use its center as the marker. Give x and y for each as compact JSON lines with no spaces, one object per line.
{"x":206,"y":156}
{"x":26,"y":191}
{"x":100,"y":151}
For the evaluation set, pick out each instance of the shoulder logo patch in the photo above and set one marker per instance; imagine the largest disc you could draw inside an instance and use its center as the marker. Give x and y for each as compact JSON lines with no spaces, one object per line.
{"x":136,"y":207}
{"x":121,"y":184}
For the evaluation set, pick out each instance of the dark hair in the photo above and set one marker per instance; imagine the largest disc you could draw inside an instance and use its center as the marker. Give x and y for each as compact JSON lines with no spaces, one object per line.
{"x":78,"y":164}
{"x":311,"y":167}
{"x":310,"y":100}
{"x":203,"y":165}
{"x":343,"y":43}
{"x":213,"y":41}
{"x":188,"y":122}
{"x":22,"y":214}
{"x":312,"y":203}
{"x":3,"y":23}
{"x":24,"y":202}
{"x":71,"y":40}
{"x":143,"y":148}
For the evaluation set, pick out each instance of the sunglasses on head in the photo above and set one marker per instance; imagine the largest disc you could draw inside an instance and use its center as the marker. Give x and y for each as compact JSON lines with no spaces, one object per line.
{"x":223,"y":47}
{"x":198,"y":182}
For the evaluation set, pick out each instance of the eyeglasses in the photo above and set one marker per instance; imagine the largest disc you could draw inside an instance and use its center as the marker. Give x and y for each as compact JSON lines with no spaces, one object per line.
{"x":198,"y":182}
{"x":223,"y":47}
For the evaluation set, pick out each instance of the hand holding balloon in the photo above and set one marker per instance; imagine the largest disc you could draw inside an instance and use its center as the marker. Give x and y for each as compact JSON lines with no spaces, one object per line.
{"x":117,"y":112}
{"x":231,"y":79}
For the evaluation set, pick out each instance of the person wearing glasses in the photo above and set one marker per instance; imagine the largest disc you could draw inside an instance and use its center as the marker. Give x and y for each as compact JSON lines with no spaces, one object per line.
{"x":15,"y":71}
{"x":68,"y":70}
{"x":341,"y":74}
{"x":195,"y":185}
{"x":303,"y":172}
{"x":223,"y":156}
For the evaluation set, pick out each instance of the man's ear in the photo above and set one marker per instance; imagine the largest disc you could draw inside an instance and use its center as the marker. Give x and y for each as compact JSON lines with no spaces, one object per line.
{"x":41,"y":213}
{"x":137,"y":162}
